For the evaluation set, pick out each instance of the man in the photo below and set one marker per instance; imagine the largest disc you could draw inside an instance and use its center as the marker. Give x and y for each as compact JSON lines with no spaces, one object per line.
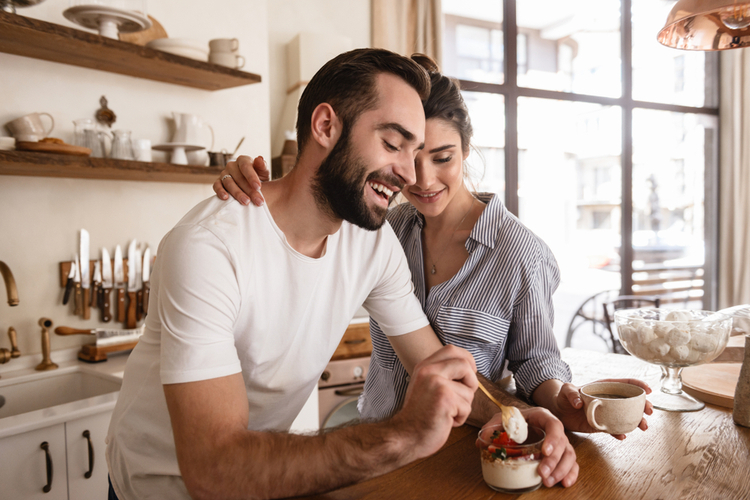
{"x":249,"y":305}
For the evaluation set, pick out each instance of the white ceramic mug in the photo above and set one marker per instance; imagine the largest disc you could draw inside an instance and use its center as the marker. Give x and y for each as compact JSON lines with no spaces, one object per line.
{"x":228,"y":59}
{"x":190,"y":129}
{"x":224,"y":45}
{"x":613,"y":407}
{"x":30,"y":128}
{"x":142,"y":149}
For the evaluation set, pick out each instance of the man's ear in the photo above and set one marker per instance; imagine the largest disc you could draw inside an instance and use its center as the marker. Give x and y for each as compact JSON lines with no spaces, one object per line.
{"x":326,"y":126}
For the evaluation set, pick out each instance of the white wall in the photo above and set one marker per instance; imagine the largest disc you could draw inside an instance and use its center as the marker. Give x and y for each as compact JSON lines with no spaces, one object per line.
{"x":287,"y":18}
{"x":40,"y":217}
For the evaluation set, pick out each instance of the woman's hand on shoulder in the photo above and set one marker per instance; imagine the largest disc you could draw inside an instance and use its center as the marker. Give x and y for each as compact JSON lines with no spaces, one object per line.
{"x":241,"y":179}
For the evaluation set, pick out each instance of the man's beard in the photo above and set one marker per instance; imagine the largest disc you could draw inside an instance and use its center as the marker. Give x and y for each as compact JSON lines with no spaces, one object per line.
{"x":339,"y":184}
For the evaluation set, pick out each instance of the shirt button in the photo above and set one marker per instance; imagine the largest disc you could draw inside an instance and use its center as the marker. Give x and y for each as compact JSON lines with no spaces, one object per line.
{"x":408,"y":379}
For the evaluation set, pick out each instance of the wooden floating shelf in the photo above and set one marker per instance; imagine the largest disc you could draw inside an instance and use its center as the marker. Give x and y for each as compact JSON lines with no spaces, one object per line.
{"x":29,"y":37}
{"x":77,"y":167}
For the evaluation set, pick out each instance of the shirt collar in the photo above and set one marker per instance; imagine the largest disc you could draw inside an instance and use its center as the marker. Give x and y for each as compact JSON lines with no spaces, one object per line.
{"x":487,"y":229}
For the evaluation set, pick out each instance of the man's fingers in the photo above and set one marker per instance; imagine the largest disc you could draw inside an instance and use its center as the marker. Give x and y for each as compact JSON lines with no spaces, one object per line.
{"x":572,"y":476}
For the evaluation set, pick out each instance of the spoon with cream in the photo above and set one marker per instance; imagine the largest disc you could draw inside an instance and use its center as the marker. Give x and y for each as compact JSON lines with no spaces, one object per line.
{"x":513,"y":422}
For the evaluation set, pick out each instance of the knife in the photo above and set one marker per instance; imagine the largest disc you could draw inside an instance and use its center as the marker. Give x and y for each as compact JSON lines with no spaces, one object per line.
{"x":130,"y":319}
{"x":146,"y":276}
{"x":96,"y":285}
{"x":77,"y":300}
{"x":119,"y":285}
{"x":85,"y":270}
{"x":106,"y":285}
{"x":138,"y":285}
{"x":69,"y":283}
{"x":104,"y":336}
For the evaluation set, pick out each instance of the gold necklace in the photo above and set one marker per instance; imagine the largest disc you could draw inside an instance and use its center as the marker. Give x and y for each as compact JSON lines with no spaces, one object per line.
{"x":434,"y":269}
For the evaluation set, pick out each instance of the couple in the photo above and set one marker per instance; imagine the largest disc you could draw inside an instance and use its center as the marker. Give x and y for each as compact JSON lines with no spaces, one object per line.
{"x":242,"y":323}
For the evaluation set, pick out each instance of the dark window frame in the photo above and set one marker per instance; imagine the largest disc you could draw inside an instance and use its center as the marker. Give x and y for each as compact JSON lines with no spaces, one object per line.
{"x":511,"y":92}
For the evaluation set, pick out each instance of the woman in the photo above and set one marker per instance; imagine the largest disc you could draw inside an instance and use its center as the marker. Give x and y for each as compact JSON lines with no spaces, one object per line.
{"x":485,"y":281}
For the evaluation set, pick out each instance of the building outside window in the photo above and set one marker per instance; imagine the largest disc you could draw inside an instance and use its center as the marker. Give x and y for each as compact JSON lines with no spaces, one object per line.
{"x":598,"y":138}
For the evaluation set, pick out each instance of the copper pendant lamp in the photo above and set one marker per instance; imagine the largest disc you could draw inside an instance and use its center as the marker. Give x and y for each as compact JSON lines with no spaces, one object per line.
{"x":707,"y":25}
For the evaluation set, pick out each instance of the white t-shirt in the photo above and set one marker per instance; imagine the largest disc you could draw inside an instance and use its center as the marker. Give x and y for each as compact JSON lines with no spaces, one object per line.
{"x":230,"y":295}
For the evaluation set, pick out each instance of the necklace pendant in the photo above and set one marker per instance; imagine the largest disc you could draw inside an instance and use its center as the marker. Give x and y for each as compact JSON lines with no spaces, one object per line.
{"x":433,"y":270}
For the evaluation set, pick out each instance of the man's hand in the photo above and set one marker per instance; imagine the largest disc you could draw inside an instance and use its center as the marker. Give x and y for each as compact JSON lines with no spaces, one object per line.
{"x":243,"y":184}
{"x":438,"y":398}
{"x":559,"y":462}
{"x":569,"y":407}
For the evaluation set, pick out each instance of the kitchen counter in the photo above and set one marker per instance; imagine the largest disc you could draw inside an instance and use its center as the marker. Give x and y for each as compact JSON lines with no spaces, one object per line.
{"x":682,"y":455}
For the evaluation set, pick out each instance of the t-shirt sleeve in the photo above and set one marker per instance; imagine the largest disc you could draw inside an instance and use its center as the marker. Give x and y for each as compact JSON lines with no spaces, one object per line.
{"x":392,"y":302}
{"x":198,"y":305}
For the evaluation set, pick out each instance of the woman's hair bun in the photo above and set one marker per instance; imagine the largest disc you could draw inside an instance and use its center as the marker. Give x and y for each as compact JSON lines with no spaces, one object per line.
{"x":426,"y":62}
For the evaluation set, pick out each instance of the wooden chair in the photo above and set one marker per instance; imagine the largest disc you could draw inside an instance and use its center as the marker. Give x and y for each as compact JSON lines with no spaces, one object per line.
{"x":624,"y":302}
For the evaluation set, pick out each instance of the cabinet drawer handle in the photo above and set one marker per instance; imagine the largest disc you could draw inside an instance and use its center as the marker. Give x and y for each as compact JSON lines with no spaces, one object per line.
{"x":48,"y":486}
{"x":355,"y":341}
{"x":87,"y":435}
{"x":354,"y":391}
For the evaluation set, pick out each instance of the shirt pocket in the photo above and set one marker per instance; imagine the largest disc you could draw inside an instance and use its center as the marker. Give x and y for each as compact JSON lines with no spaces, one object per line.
{"x":471,"y":328}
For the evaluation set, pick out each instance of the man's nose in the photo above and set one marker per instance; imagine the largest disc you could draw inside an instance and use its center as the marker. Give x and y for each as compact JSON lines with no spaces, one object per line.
{"x":404,"y":168}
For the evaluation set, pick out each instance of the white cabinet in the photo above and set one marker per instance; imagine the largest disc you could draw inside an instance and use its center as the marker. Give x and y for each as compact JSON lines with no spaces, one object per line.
{"x":26,"y":468}
{"x":85,"y":453}
{"x":24,"y":465}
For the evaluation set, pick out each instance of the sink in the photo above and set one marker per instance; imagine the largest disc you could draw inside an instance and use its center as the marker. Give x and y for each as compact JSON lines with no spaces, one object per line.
{"x":37,"y":398}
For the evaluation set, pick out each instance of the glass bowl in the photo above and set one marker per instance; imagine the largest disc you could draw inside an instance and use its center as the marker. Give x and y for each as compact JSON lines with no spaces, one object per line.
{"x":673,"y":339}
{"x":509,"y":467}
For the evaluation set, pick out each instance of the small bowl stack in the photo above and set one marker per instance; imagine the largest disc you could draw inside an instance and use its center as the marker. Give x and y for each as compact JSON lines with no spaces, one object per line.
{"x":184,"y":47}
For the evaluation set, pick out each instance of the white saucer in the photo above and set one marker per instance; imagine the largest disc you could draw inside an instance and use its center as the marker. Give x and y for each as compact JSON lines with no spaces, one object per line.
{"x":171,"y":146}
{"x":102,"y":18}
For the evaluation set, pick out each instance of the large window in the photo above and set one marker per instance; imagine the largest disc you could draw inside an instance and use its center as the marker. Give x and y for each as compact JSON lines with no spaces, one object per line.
{"x":599,"y":139}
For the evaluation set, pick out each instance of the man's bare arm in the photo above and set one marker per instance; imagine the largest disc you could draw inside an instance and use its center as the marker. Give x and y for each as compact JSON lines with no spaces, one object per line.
{"x":220,"y":458}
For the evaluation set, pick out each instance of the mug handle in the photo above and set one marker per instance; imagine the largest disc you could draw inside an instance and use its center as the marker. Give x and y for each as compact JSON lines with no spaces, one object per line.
{"x":239,"y":65}
{"x":52,"y":125}
{"x":235,"y":44}
{"x":212,"y":136}
{"x":595,"y":403}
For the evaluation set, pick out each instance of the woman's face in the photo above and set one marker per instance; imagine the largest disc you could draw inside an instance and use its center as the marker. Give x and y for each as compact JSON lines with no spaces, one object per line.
{"x":439,"y":169}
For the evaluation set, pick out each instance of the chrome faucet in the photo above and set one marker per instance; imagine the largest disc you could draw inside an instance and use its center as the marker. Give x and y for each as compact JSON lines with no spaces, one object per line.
{"x":10,"y":287}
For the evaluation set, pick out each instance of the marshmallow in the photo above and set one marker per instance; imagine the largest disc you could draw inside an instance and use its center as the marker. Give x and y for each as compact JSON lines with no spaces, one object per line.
{"x":678,"y":335}
{"x":678,"y":315}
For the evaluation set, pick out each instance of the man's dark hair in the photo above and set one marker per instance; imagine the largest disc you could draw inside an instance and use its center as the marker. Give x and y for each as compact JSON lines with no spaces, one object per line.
{"x":348,"y":83}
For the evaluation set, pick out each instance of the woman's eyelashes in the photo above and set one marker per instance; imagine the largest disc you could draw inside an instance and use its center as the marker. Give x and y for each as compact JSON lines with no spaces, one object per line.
{"x":445,"y":159}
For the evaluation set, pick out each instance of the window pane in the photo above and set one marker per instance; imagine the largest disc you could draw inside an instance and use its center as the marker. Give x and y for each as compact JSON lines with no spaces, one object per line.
{"x":569,"y":194}
{"x":670,"y":156}
{"x":666,"y":75}
{"x":572,"y":46}
{"x":486,"y":162}
{"x":473,"y":40}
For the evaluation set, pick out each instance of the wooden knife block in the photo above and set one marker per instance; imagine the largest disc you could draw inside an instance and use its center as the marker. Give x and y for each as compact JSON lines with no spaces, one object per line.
{"x":91,"y":353}
{"x":65,"y":269}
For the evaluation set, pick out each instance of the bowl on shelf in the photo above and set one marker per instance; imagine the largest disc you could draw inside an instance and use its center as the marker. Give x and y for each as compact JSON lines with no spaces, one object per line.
{"x":673,"y":340}
{"x":184,"y":47}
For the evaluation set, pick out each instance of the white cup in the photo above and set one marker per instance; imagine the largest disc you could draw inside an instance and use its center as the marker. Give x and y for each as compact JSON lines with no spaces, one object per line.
{"x":228,"y":59}
{"x":613,"y":407}
{"x":7,"y":143}
{"x":142,"y":149}
{"x":224,"y":45}
{"x":29,"y":128}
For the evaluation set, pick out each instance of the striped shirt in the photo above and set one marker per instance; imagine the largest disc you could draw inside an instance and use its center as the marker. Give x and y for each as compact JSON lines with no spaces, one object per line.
{"x":498,"y":306}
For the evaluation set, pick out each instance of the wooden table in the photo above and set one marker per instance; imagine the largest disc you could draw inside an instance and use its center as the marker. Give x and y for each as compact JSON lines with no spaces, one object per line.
{"x":696,"y":455}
